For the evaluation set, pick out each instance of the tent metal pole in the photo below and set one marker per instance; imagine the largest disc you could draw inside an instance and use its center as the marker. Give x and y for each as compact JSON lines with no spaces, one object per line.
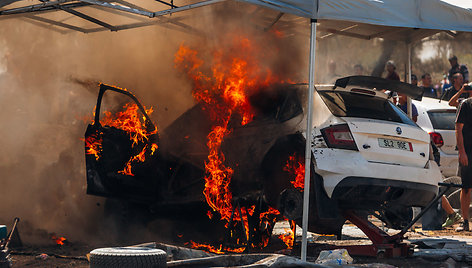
{"x":311,"y":88}
{"x":408,"y":79}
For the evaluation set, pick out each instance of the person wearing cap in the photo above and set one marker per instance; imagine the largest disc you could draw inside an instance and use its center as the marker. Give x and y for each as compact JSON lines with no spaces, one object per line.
{"x":391,"y":73}
{"x":456,"y":68}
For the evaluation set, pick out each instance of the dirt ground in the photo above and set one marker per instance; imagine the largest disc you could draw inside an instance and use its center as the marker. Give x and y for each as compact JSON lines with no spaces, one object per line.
{"x":73,"y":254}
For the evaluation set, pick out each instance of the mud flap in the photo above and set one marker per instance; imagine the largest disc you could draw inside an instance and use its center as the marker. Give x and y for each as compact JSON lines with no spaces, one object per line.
{"x":327,"y":207}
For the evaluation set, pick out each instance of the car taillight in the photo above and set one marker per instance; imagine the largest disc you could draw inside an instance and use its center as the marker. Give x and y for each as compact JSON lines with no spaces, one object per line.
{"x":437,"y":139}
{"x":339,"y":136}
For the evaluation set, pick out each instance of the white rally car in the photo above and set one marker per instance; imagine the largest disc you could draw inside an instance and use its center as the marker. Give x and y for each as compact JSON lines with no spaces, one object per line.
{"x":368,"y":153}
{"x":438,"y":119}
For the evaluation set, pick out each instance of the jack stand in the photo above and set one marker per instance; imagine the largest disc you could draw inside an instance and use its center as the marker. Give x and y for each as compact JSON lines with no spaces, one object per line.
{"x":229,"y":233}
{"x":385,"y":245}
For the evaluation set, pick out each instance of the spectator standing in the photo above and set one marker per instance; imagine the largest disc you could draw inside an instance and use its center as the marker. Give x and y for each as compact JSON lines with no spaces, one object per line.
{"x":456,"y":68}
{"x":462,"y":94}
{"x":402,"y":103}
{"x":445,"y":83}
{"x":414,"y":80}
{"x":464,"y":145}
{"x":391,"y":73}
{"x":428,"y":89}
{"x":457,"y":83}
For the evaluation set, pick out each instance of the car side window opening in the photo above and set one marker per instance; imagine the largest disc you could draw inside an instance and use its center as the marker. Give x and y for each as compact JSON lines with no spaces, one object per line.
{"x":349,"y":104}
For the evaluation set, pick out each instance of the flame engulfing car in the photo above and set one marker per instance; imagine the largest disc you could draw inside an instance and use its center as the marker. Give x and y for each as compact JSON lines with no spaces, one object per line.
{"x":367,"y":155}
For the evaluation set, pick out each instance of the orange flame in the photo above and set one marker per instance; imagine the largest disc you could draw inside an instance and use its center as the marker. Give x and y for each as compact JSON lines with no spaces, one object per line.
{"x":210,"y":248}
{"x":130,"y":121}
{"x":93,"y":143}
{"x":296,"y":166}
{"x":287,"y":237}
{"x":58,"y":240}
{"x":224,"y":92}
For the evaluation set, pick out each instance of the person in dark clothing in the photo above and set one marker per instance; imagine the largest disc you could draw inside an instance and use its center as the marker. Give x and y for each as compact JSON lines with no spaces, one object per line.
{"x":457,"y":84}
{"x":456,"y":68}
{"x":464,"y":145}
{"x":428,"y":90}
{"x":460,"y":95}
{"x":391,"y":74}
{"x":402,"y":103}
{"x":414,"y":80}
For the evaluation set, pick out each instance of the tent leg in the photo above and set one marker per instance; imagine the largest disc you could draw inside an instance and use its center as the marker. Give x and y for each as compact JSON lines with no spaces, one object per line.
{"x":408,"y":80}
{"x":311,"y":87}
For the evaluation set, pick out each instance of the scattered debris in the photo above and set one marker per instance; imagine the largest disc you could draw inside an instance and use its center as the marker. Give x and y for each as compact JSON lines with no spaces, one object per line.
{"x":42,"y":256}
{"x":336,"y":256}
{"x":5,"y":258}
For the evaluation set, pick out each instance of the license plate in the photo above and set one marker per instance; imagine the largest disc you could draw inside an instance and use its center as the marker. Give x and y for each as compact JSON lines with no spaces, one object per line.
{"x":395,"y":144}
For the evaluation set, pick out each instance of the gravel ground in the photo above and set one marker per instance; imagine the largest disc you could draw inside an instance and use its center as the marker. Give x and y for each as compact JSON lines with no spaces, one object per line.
{"x":445,"y":248}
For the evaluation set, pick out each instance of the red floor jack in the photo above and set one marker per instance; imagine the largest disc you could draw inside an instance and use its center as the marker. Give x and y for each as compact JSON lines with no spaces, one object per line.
{"x":385,"y":245}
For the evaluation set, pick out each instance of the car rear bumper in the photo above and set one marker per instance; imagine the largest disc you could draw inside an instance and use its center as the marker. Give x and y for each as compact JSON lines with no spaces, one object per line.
{"x":336,"y":165}
{"x":370,"y":193}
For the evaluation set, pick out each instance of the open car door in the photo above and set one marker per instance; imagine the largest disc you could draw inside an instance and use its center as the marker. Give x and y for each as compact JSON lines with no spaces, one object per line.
{"x":121,"y":152}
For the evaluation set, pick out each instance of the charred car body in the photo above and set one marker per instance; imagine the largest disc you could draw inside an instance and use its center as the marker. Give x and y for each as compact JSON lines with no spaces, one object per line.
{"x":367,"y":155}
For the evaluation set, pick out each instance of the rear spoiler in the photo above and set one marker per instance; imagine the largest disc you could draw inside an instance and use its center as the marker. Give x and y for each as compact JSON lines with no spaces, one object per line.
{"x":378,"y":83}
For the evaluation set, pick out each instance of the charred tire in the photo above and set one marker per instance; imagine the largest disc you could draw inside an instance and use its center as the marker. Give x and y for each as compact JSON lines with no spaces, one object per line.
{"x":291,"y":204}
{"x":128,"y":257}
{"x":280,"y":193}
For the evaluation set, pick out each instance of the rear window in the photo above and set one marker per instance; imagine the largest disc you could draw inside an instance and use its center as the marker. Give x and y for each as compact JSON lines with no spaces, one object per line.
{"x":348,"y":104}
{"x":443,"y":119}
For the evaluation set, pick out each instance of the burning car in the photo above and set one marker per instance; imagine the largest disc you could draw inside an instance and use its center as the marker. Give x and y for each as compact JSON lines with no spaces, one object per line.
{"x":367,"y":156}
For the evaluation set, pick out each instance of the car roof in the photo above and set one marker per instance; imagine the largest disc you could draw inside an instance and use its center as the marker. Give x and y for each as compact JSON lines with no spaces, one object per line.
{"x":433,"y":104}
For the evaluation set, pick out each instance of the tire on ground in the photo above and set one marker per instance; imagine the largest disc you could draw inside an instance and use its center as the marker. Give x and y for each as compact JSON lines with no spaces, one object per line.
{"x":127,"y":257}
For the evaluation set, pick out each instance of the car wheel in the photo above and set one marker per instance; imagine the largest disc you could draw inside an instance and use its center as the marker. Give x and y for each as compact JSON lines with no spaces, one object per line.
{"x":281,"y":194}
{"x":127,"y":257}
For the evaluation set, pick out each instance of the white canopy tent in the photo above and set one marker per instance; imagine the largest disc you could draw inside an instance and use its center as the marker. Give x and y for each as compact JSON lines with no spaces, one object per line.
{"x":406,"y":20}
{"x":403,"y":20}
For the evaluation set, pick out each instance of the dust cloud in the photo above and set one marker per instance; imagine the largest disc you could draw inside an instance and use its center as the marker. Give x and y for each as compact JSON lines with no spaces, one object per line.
{"x":48,"y":89}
